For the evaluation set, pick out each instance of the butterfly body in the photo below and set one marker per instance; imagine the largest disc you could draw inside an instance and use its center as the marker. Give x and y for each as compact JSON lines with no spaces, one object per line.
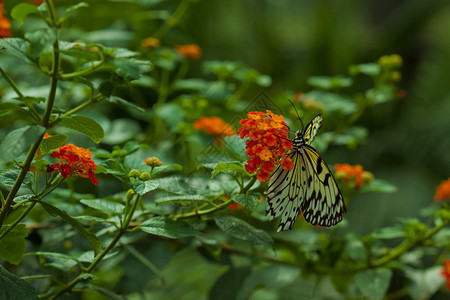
{"x":309,"y":188}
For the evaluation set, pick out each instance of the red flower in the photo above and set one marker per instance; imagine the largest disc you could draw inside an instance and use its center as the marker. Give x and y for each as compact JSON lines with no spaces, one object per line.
{"x":267,"y":143}
{"x":445,"y":272}
{"x":353,"y":174}
{"x":74,"y":160}
{"x":443,"y":191}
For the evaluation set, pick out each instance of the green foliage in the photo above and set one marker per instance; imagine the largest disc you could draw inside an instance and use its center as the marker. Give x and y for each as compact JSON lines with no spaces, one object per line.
{"x":160,"y":204}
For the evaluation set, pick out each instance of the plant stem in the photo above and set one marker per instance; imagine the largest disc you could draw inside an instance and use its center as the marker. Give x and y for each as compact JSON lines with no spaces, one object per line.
{"x":163,"y":87}
{"x":102,"y":254}
{"x":203,"y":212}
{"x":18,"y":183}
{"x":12,"y":84}
{"x":17,"y":221}
{"x":173,"y":20}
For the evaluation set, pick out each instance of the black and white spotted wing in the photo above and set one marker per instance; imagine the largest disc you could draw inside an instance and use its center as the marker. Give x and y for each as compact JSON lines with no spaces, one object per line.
{"x":309,"y":188}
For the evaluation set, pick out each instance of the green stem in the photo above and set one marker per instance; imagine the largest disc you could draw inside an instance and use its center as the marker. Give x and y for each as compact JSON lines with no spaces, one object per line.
{"x":173,"y":20}
{"x":17,"y":221}
{"x":163,"y":87}
{"x":12,"y":84}
{"x":249,"y":185}
{"x":18,"y":183}
{"x":82,"y":72}
{"x":102,"y":254}
{"x":203,"y":212}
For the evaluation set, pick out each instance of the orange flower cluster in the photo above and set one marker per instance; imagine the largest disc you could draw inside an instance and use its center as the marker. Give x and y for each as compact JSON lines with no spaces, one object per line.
{"x":216,"y":127}
{"x":153,"y":162}
{"x":443,"y":191}
{"x":445,"y":272}
{"x":267,"y":144}
{"x":355,"y":174}
{"x":191,"y":51}
{"x":78,"y":161}
{"x":5,"y":24}
{"x":150,"y":43}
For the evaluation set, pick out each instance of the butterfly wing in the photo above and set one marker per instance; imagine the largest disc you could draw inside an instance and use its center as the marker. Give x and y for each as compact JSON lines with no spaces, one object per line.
{"x":285,"y":193}
{"x":323,"y":202}
{"x":311,"y":129}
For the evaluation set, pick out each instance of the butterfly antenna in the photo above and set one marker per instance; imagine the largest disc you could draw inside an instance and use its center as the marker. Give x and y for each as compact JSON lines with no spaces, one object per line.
{"x":297,"y":114}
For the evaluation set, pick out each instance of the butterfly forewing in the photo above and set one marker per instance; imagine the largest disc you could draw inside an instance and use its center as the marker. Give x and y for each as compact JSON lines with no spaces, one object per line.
{"x":309,"y":188}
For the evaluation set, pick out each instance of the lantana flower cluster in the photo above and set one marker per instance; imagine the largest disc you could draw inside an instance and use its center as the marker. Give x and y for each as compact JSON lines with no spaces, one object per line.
{"x":267,"y":143}
{"x":153,"y":162}
{"x":5,"y":24}
{"x":443,"y":191}
{"x":74,"y":160}
{"x":353,"y":174}
{"x":190,"y":51}
{"x":216,"y":127}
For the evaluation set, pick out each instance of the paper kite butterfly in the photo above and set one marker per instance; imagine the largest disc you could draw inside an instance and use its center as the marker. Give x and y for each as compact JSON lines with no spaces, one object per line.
{"x":308,"y":189}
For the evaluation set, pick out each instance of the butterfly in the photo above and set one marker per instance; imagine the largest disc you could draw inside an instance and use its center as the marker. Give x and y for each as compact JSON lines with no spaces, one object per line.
{"x":309,"y":188}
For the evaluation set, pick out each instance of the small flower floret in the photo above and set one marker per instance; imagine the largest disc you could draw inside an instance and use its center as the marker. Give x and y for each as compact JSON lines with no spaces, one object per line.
{"x":443,"y":191}
{"x":355,"y":175}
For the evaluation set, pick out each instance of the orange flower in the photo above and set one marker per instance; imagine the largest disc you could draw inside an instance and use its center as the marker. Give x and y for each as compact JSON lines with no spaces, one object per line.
{"x":153,"y":162}
{"x":445,"y":272}
{"x":267,"y":143}
{"x":78,"y":161}
{"x":5,"y":24}
{"x":191,"y":51}
{"x":216,"y":127}
{"x":150,"y":43}
{"x":443,"y":191}
{"x":353,"y":174}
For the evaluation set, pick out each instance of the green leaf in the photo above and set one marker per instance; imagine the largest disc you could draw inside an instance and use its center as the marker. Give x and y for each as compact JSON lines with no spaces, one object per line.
{"x":7,"y":107}
{"x":93,"y":239}
{"x":333,"y":102}
{"x":125,"y":103}
{"x":22,"y":10}
{"x":8,"y":177}
{"x":352,"y":136}
{"x":104,"y":205}
{"x":14,"y":288}
{"x":40,"y":40}
{"x":73,"y":8}
{"x":112,"y":167}
{"x":228,"y":285}
{"x":379,"y":186}
{"x":222,"y":167}
{"x":328,"y":83}
{"x":424,"y":283}
{"x":367,"y":69}
{"x":18,"y":141}
{"x":168,"y":228}
{"x":51,"y":143}
{"x":178,"y":199}
{"x":120,"y":131}
{"x":143,"y":187}
{"x":388,"y":233}
{"x":17,"y":47}
{"x":244,"y":231}
{"x":247,"y":201}
{"x":12,"y":245}
{"x":192,"y":84}
{"x":84,"y":125}
{"x":373,"y":283}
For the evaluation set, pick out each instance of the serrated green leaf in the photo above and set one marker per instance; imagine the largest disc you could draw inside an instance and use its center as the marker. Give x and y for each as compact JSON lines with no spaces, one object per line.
{"x":169,"y":228}
{"x":104,"y":205}
{"x":112,"y":167}
{"x":17,"y":47}
{"x":84,"y":125}
{"x":93,"y":239}
{"x":244,"y":231}
{"x":18,"y":141}
{"x":143,"y":187}
{"x":373,"y":283}
{"x":8,"y":177}
{"x":222,"y":167}
{"x":424,"y":283}
{"x":247,"y":201}
{"x":12,"y":245}
{"x":14,"y":288}
{"x":51,"y":143}
{"x":40,"y":40}
{"x":22,"y":10}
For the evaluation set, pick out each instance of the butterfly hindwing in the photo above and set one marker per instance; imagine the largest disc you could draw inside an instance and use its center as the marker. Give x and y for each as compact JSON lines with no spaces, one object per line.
{"x":323,"y":202}
{"x":309,"y":188}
